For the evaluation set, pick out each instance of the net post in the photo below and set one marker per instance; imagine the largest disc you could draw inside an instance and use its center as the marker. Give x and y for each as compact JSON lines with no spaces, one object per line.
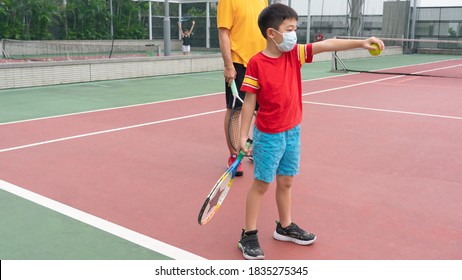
{"x":335,"y":58}
{"x":3,"y":49}
{"x":333,"y":67}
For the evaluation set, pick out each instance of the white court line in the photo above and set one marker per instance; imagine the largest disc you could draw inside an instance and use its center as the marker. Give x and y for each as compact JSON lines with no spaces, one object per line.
{"x":352,"y":85}
{"x":168,"y":120}
{"x":384,"y":110}
{"x":107,"y":131}
{"x":114,"y":229}
{"x":145,"y":104}
{"x":212,"y":94}
{"x":184,"y":117}
{"x":109,"y":109}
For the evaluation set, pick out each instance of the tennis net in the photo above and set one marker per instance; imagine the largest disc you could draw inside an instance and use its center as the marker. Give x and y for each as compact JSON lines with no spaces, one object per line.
{"x":415,"y":57}
{"x":74,"y":50}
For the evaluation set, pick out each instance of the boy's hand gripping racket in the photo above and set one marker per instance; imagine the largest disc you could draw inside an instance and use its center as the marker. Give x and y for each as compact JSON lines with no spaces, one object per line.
{"x":218,"y":193}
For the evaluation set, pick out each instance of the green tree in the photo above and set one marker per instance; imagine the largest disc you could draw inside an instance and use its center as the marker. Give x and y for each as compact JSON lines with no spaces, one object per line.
{"x":129,"y":19}
{"x":3,"y":17}
{"x":38,"y":18}
{"x":82,"y":19}
{"x":91,"y":19}
{"x":13,"y":22}
{"x":87,"y":19}
{"x":27,"y":19}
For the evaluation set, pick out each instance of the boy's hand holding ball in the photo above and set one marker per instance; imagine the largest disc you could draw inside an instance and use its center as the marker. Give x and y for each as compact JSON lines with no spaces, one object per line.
{"x":376,"y":51}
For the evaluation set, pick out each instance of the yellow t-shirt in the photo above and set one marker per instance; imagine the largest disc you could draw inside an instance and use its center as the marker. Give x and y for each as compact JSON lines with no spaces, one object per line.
{"x":240,"y":17}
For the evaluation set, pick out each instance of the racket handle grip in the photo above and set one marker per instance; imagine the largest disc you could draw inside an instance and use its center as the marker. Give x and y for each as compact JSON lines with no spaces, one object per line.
{"x":249,"y":143}
{"x":234,"y":88}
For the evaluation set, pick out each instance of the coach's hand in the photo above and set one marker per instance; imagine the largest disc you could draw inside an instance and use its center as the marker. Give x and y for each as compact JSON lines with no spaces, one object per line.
{"x":230,"y":74}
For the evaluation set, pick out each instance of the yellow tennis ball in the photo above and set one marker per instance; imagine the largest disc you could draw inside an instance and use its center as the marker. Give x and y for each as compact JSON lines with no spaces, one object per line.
{"x":377,"y":50}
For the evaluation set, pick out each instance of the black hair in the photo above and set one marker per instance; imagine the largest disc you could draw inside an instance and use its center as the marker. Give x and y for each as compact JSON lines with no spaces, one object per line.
{"x":273,"y":16}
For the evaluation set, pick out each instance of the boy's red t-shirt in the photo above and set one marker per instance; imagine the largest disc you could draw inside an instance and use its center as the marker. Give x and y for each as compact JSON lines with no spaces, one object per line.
{"x":278,"y":85}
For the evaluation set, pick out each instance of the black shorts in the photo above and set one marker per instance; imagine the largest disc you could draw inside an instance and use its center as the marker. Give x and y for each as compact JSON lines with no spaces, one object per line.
{"x":240,"y":69}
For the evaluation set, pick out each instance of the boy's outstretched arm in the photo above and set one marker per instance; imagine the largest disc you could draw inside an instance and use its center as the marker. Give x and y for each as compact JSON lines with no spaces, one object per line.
{"x":246,"y":118}
{"x":331,"y":45}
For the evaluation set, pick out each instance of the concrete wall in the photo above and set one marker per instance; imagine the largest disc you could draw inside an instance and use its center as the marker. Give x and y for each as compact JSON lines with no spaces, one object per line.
{"x":17,"y":75}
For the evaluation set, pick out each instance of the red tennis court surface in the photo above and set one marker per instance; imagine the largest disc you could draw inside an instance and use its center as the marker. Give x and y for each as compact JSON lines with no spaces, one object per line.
{"x":380,"y":174}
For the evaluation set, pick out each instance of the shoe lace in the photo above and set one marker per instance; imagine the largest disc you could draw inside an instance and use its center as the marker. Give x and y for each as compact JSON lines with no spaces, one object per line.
{"x":294,"y":229}
{"x":252,"y":243}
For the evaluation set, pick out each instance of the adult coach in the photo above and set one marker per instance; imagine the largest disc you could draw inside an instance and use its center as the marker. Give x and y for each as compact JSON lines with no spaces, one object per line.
{"x":240,"y":39}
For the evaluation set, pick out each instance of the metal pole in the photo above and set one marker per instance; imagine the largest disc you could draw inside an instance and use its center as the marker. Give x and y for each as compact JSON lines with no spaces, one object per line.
{"x":414,"y":15}
{"x":207,"y":27}
{"x":150,"y":20}
{"x":180,"y":14}
{"x":166,"y":28}
{"x":308,"y":23}
{"x":112,"y":19}
{"x":355,"y":17}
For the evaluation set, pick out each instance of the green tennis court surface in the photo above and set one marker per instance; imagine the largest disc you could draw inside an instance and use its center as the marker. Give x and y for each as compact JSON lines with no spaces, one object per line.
{"x":30,"y":231}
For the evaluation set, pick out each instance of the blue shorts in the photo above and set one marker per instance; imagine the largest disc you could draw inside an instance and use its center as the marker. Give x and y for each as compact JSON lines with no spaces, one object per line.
{"x":276,"y":154}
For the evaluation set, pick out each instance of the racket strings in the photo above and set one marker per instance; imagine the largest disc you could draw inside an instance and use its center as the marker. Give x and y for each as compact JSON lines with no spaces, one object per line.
{"x":234,"y":128}
{"x":215,"y":199}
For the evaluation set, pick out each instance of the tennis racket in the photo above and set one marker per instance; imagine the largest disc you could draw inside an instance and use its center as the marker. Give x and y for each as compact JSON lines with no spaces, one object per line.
{"x":234,"y":124}
{"x":185,"y":18}
{"x":218,"y":193}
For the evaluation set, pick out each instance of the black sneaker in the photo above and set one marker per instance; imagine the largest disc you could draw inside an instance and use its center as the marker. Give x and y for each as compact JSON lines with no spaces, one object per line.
{"x":250,"y":247}
{"x":294,"y":234}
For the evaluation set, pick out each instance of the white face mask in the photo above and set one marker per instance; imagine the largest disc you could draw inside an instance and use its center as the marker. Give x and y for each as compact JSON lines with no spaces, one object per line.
{"x":289,"y":39}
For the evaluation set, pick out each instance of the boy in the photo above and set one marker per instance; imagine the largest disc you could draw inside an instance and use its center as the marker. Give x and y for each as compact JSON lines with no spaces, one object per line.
{"x":186,"y":36}
{"x":273,"y":79}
